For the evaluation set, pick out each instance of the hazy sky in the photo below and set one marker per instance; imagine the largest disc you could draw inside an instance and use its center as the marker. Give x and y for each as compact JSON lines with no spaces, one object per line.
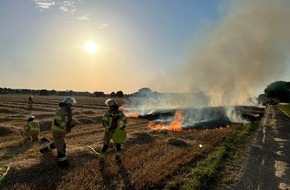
{"x":141,"y":43}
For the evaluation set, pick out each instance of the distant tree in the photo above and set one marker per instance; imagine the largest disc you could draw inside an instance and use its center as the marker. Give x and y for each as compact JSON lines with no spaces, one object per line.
{"x":99,"y":94}
{"x":82,"y":94}
{"x":119,"y":94}
{"x":25,"y":91}
{"x":113,"y":94}
{"x":43,"y":92}
{"x":7,"y":91}
{"x":62,"y":93}
{"x":70,"y":92}
{"x":144,"y":92}
{"x":263,"y":99}
{"x":53,"y":92}
{"x":278,"y":90}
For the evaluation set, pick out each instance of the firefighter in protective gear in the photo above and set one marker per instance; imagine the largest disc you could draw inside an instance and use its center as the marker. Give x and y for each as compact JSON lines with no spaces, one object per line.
{"x":113,"y":120}
{"x":31,"y":130}
{"x":30,"y":103}
{"x":61,"y":125}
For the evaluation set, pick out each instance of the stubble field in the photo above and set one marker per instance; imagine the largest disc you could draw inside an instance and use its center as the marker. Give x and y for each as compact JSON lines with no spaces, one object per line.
{"x":151,"y":159}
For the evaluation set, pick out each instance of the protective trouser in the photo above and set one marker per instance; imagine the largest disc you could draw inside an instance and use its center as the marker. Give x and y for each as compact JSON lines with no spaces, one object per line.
{"x":107,"y":139}
{"x":48,"y":148}
{"x":59,"y":144}
{"x":34,"y":135}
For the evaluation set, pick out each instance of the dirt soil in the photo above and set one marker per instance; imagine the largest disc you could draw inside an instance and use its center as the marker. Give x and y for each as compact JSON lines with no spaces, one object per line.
{"x":149,"y":158}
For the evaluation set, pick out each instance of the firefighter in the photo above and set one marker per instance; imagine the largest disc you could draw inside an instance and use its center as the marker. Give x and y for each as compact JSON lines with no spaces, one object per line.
{"x":61,"y":125}
{"x":31,"y":130}
{"x":113,"y":120}
{"x":30,"y":103}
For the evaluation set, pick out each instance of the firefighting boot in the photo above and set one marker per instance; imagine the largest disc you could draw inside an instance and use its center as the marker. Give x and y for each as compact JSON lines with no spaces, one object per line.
{"x":102,"y":154}
{"x":48,"y":148}
{"x":118,"y":160}
{"x":118,"y":154}
{"x":101,"y":158}
{"x":62,"y":160}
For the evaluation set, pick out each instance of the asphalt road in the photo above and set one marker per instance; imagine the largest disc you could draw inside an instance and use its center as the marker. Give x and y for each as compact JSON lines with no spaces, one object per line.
{"x":268,"y":165}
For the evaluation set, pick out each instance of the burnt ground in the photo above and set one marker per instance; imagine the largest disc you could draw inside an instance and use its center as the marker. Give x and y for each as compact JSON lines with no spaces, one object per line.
{"x":207,"y":117}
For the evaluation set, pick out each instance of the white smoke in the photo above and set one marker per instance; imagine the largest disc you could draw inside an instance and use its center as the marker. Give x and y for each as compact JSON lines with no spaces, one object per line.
{"x":242,"y":52}
{"x":245,"y":50}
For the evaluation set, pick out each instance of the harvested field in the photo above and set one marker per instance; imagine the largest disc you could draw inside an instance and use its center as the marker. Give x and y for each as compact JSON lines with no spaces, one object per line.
{"x":151,"y":158}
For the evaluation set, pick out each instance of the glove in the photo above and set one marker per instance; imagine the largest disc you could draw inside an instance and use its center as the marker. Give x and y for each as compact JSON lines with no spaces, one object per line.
{"x":123,"y":127}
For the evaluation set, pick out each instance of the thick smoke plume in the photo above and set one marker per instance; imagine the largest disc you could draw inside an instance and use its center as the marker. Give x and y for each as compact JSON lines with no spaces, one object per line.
{"x":245,"y":50}
{"x":242,"y":52}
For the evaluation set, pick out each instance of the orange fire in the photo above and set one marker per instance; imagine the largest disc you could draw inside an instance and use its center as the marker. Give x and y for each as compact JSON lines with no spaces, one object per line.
{"x":129,"y":113}
{"x":175,"y":125}
{"x":132,"y":114}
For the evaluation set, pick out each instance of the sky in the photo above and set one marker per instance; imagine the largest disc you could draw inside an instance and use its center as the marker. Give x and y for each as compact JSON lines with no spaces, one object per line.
{"x":219,"y":47}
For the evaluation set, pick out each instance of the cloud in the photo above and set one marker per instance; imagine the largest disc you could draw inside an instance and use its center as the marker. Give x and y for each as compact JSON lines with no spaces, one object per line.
{"x":68,"y":7}
{"x":65,"y":6}
{"x":44,"y":4}
{"x":103,"y":25}
{"x":85,"y":17}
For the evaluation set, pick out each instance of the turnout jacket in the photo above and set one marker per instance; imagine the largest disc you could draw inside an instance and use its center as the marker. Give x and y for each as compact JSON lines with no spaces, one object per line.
{"x":112,"y":120}
{"x":62,"y":120}
{"x":32,"y":126}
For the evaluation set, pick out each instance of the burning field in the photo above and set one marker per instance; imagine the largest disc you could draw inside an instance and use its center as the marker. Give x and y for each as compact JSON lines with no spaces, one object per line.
{"x":184,"y":118}
{"x":161,"y":145}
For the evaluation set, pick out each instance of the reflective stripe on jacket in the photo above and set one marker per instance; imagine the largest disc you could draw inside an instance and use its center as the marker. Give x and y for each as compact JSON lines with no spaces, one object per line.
{"x":33,"y":126}
{"x":108,"y":119}
{"x":61,"y":120}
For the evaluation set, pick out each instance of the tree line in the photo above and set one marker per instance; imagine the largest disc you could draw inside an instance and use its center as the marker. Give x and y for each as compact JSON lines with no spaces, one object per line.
{"x":278,"y":91}
{"x":45,"y":92}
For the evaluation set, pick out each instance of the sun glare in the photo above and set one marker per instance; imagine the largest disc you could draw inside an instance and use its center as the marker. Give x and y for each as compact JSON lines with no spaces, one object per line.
{"x":91,"y":47}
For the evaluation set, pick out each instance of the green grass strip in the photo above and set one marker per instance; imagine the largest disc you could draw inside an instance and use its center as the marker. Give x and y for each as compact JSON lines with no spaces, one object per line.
{"x":285,"y":108}
{"x":207,"y":171}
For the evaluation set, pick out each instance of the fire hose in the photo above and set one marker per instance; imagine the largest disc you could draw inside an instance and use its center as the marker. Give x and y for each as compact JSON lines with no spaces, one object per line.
{"x":81,"y":147}
{"x":7,"y":166}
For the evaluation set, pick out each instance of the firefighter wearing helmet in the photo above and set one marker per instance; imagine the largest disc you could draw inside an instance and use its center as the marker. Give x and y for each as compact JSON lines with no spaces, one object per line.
{"x":31,"y":130}
{"x":114,"y":122}
{"x":61,"y":125}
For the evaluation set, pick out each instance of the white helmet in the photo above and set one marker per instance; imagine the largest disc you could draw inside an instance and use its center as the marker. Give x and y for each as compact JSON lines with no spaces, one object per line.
{"x":111,"y":102}
{"x":30,"y":117}
{"x":69,"y":100}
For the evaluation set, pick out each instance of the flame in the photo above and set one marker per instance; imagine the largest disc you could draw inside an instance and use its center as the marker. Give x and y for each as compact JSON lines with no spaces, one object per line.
{"x":175,"y":125}
{"x":132,"y":114}
{"x":129,"y":113}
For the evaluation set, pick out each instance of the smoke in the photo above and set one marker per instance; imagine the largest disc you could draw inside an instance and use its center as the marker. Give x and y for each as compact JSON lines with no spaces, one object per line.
{"x":242,"y":52}
{"x":245,"y":50}
{"x":153,"y":101}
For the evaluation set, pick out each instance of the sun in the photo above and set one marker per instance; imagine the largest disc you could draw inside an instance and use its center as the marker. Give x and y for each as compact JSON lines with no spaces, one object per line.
{"x":91,"y":47}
